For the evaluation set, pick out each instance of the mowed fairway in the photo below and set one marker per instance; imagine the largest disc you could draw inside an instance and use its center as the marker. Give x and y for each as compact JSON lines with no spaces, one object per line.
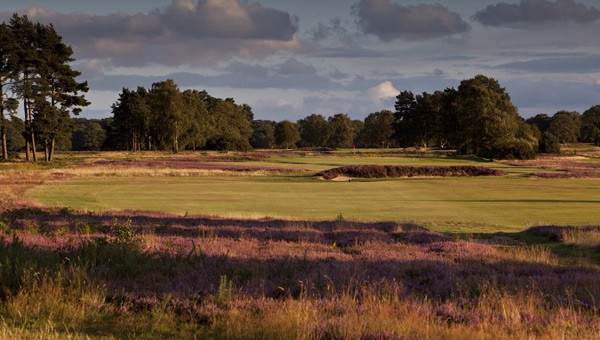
{"x":494,"y":204}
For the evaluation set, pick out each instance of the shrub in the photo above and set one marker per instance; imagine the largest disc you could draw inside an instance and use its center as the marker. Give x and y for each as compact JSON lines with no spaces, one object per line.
{"x":549,"y":143}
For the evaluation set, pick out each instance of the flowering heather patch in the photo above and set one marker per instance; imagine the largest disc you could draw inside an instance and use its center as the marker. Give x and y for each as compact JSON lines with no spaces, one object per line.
{"x":564,"y":167}
{"x":204,"y":163}
{"x":568,"y":174}
{"x":271,"y":278}
{"x":392,"y":171}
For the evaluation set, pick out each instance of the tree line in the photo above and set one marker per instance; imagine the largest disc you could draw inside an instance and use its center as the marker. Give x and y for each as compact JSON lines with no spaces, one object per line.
{"x":35,"y":74}
{"x":476,"y":118}
{"x":168,"y":119}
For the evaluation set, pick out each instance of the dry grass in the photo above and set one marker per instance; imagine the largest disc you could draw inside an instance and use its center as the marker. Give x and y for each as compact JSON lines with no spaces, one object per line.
{"x":583,"y":238}
{"x":109,"y":171}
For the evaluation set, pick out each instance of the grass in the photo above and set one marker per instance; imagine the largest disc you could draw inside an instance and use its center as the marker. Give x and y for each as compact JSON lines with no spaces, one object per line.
{"x":504,"y":204}
{"x":107,"y":274}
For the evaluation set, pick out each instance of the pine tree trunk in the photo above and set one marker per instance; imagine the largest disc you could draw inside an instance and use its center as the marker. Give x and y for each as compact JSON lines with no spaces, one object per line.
{"x":149,"y":143}
{"x":176,"y":139}
{"x":32,"y":135}
{"x":4,"y":146}
{"x":46,"y":151}
{"x":3,"y":123}
{"x":27,"y":140}
{"x":51,"y":154}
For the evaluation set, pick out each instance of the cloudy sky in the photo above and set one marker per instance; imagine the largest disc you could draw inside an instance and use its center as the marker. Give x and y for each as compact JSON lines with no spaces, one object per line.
{"x":291,"y":58}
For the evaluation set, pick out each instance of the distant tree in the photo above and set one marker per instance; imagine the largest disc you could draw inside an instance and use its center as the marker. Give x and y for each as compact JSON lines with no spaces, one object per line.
{"x":590,"y":125}
{"x":449,"y":134}
{"x":131,"y":120}
{"x":489,"y":123}
{"x":231,"y":124}
{"x":342,"y":131}
{"x":423,"y":120}
{"x":165,"y":118}
{"x":428,"y":119}
{"x":358,"y":126}
{"x":14,"y":134}
{"x":566,"y":126}
{"x":196,"y":115}
{"x":378,"y":130}
{"x":286,"y":134}
{"x":263,"y":136}
{"x":541,"y":121}
{"x":549,"y":143}
{"x":88,"y":135}
{"x":166,"y":106}
{"x":314,"y":131}
{"x":405,"y":105}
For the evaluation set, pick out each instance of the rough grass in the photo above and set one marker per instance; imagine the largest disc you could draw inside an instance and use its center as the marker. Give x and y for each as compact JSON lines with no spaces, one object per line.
{"x":150,"y":276}
{"x":394,"y":171}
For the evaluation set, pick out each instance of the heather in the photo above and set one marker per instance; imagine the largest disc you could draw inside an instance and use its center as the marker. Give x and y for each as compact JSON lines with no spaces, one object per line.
{"x":391,"y":171}
{"x":67,"y":272}
{"x":562,"y":167}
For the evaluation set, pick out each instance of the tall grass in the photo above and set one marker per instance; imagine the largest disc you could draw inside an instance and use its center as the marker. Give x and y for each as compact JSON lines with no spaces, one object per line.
{"x":135,"y":279}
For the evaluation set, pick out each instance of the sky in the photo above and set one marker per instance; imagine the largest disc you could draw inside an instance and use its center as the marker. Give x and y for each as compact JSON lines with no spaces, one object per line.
{"x":290,"y":58}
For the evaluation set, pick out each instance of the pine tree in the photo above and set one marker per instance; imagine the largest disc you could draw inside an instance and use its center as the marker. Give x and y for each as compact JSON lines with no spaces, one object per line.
{"x":7,"y":75}
{"x":60,"y":93}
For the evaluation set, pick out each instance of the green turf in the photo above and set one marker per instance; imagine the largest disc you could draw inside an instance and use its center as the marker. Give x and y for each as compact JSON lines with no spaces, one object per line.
{"x":503,"y":203}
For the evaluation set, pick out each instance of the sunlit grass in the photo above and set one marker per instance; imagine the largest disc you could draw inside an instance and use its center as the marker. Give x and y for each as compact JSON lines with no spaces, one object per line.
{"x":507,"y":203}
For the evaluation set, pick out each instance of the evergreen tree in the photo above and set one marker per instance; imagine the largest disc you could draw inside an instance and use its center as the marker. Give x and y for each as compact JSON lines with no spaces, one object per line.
{"x":8,"y":69}
{"x":28,"y":84}
{"x":60,"y":93}
{"x":131,"y":120}
{"x":405,"y":104}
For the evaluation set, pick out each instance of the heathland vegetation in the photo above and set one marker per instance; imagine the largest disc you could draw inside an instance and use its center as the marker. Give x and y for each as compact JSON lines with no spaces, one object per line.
{"x":279,"y":253}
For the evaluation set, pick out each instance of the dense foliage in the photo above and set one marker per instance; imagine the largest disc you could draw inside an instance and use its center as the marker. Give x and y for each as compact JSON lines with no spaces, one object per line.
{"x":166,"y":118}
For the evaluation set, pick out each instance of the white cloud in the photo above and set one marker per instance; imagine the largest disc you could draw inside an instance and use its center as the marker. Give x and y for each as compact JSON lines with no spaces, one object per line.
{"x":383,"y":91}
